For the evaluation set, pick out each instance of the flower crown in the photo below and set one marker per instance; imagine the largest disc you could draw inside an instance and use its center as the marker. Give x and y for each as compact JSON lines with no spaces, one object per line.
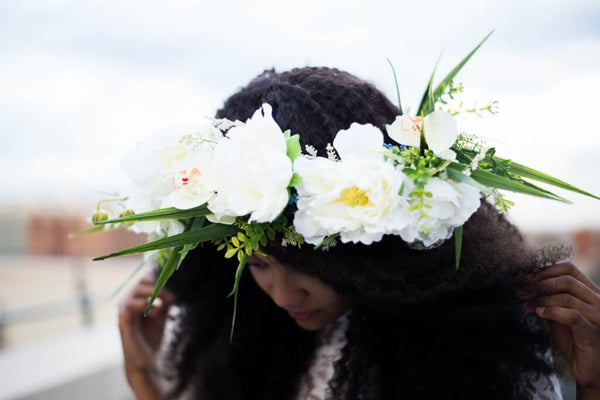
{"x":241,"y":185}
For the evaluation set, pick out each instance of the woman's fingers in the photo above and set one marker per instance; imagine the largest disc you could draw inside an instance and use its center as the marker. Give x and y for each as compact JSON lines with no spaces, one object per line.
{"x":568,"y":301}
{"x":568,"y":317}
{"x":569,"y":285}
{"x":566,"y":269}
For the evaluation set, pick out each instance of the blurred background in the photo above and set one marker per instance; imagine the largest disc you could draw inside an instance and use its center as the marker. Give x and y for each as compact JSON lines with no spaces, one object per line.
{"x":82,"y":82}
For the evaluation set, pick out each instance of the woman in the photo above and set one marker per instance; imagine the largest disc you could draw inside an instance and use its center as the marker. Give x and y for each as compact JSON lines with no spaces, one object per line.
{"x":384,"y":321}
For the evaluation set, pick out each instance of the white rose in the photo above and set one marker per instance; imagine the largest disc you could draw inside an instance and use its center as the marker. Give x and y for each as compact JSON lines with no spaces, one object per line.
{"x":356,"y":197}
{"x":450,"y":206}
{"x":251,"y":170}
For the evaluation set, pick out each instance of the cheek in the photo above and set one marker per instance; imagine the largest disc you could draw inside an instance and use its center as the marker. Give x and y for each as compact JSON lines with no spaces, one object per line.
{"x":262,"y":278}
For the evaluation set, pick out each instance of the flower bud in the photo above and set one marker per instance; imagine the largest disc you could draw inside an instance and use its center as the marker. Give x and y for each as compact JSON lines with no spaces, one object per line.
{"x":126,"y":213}
{"x":99,"y":216}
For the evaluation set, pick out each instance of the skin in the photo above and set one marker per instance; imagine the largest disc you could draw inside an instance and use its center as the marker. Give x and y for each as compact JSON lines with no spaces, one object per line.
{"x":141,"y":337}
{"x":565,"y":297}
{"x":570,"y":301}
{"x":310,"y":302}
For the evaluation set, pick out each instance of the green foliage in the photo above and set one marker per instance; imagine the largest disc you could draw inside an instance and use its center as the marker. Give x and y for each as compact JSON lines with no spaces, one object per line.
{"x":207,"y":233}
{"x":291,"y":237}
{"x":235,"y":291}
{"x":458,"y":236}
{"x":293,"y":145}
{"x":162,"y":214}
{"x":296,"y":179}
{"x":396,"y":84}
{"x":431,"y":96}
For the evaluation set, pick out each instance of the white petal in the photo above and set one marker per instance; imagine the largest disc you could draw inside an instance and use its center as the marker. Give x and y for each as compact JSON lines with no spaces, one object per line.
{"x":401,"y":130}
{"x":358,"y":139}
{"x":440,"y":131}
{"x":185,"y":200}
{"x":447,"y":154}
{"x":221,"y":219}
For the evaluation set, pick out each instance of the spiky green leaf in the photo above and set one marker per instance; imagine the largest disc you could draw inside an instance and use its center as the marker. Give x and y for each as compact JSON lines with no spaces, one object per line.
{"x":490,"y":179}
{"x":235,"y":291}
{"x":396,"y":84}
{"x":430,"y":97}
{"x":166,"y":272}
{"x":539,"y":176}
{"x":209,"y":232}
{"x":161,"y":214}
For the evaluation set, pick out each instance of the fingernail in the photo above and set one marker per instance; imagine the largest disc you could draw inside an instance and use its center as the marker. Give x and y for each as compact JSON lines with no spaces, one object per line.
{"x":540,"y":310}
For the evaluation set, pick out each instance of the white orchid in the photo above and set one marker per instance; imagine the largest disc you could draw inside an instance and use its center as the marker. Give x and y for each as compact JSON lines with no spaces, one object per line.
{"x":356,"y":197}
{"x":251,"y":170}
{"x":439,"y":128}
{"x":189,"y":188}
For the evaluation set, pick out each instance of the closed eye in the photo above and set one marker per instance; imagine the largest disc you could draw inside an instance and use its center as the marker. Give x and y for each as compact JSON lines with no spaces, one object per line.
{"x":253,"y":263}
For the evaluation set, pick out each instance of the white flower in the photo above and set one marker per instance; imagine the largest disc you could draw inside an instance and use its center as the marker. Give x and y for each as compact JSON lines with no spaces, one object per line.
{"x":450,"y":206}
{"x":188,"y":184}
{"x":166,"y":170}
{"x":360,"y":139}
{"x":356,"y":197}
{"x":406,"y":130}
{"x":438,"y":127}
{"x":440,"y":131}
{"x":251,"y":170}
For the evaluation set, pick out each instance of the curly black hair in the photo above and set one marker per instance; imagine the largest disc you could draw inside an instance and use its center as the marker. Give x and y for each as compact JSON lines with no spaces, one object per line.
{"x":418,"y":329}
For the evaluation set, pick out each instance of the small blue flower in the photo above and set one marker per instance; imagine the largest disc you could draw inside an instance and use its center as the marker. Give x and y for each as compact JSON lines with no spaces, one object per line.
{"x":402,"y":147}
{"x":387,"y":145}
{"x":293,"y":198}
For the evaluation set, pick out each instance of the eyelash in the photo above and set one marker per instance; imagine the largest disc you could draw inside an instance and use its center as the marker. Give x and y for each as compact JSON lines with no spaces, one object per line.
{"x":257,"y":264}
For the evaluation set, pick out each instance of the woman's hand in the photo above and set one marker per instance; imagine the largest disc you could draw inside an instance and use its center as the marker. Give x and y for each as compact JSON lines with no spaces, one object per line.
{"x":141,"y":336}
{"x":571,"y":302}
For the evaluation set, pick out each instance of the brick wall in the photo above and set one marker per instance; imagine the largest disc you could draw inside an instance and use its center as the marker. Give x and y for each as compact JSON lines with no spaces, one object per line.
{"x":48,"y":235}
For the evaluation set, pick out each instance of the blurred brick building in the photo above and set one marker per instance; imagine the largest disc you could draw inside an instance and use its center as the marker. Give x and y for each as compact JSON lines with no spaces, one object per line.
{"x":48,"y":234}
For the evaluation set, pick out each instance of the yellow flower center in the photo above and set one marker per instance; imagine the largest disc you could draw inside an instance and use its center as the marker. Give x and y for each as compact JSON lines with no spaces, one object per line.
{"x":353,"y":197}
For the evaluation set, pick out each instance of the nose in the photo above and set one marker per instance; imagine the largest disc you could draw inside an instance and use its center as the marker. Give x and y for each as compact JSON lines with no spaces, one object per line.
{"x":287,"y":290}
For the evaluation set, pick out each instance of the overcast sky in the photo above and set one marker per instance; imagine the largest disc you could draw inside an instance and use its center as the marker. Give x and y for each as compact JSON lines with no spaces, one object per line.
{"x":82,"y":81}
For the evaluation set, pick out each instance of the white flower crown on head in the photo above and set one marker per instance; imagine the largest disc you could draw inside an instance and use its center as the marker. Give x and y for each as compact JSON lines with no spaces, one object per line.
{"x":241,"y":185}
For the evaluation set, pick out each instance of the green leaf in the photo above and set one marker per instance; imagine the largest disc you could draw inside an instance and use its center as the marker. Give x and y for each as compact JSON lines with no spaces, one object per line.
{"x":293,"y":147}
{"x":461,"y":177}
{"x":428,"y":102}
{"x":458,"y":235}
{"x":231,"y":252}
{"x":327,"y":240}
{"x":235,"y":291}
{"x":396,"y":83}
{"x":197,"y":224}
{"x":93,"y":229}
{"x":296,"y":179}
{"x":500,"y":182}
{"x":209,"y":232}
{"x":161,"y":214}
{"x":132,"y":274}
{"x":166,"y":272}
{"x":539,"y":176}
{"x":426,"y":107}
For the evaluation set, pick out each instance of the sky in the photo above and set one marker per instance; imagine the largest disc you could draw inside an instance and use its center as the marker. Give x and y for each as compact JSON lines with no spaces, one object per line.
{"x":81,"y":82}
